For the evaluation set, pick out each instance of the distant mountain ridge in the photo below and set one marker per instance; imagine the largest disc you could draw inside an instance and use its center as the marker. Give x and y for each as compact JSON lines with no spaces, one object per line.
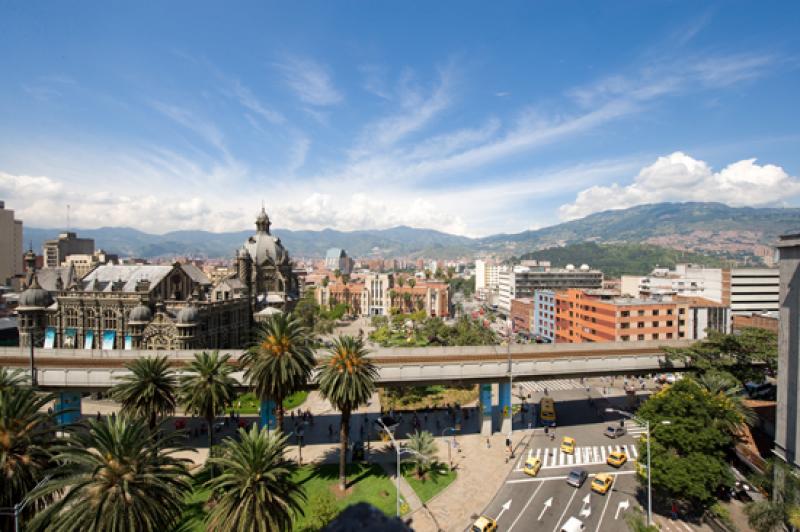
{"x":712,"y":228}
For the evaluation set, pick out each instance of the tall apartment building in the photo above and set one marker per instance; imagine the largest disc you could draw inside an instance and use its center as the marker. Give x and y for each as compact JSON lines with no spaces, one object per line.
{"x":10,"y":247}
{"x":487,"y":278}
{"x":337,"y":259}
{"x":57,"y":250}
{"x":602,"y":316}
{"x":754,"y":290}
{"x":544,"y":316}
{"x":523,"y":281}
{"x":745,"y":290}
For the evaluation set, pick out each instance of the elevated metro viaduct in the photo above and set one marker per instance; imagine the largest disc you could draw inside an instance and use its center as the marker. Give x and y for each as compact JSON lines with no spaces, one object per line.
{"x":73,"y":371}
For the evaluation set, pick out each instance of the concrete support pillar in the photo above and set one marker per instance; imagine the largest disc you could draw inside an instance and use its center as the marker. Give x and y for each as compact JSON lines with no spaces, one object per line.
{"x":486,"y":409}
{"x":504,"y":400}
{"x":267,"y":415}
{"x":68,"y":407}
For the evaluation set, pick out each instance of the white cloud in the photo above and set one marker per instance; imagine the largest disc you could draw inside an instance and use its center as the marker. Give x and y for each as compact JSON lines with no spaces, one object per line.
{"x":249,"y":100}
{"x":679,"y":177}
{"x":206,"y":130}
{"x":310,"y":81}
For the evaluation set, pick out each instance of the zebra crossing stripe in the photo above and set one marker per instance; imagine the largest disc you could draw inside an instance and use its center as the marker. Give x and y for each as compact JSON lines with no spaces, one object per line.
{"x":634,"y":451}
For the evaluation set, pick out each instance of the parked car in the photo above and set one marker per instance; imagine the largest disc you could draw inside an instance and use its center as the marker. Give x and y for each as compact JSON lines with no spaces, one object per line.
{"x":615,"y":431}
{"x":577,"y":477}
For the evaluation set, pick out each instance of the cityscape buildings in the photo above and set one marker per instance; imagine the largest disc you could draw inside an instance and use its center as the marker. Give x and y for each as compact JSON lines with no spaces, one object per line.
{"x":57,"y":250}
{"x":10,"y":247}
{"x":522,"y":281}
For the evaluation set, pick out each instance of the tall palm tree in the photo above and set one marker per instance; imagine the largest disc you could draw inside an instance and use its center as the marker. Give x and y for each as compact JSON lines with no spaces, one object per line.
{"x":255,"y":490}
{"x":407,"y":300}
{"x":27,"y":433}
{"x":412,"y":282}
{"x":116,"y":476}
{"x":400,"y":281}
{"x":207,"y":388}
{"x":280,"y":361}
{"x":425,"y":451}
{"x":728,"y":392}
{"x":346,"y":378}
{"x":149,"y":391}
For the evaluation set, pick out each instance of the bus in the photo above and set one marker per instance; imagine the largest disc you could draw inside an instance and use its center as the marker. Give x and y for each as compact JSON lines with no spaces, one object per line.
{"x":547,"y":411}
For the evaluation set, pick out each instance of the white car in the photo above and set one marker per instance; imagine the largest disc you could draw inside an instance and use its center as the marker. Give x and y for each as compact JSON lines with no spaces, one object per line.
{"x":573,"y":524}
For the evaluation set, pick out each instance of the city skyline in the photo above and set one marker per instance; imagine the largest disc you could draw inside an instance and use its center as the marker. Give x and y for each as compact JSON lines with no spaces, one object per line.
{"x":471,"y":122}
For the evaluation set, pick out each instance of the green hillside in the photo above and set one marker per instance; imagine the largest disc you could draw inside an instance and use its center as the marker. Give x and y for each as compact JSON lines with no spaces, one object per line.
{"x":618,"y":259}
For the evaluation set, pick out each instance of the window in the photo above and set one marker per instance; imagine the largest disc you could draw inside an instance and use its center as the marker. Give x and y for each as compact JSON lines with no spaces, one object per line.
{"x":640,"y":313}
{"x":625,"y":313}
{"x":640,"y":337}
{"x":625,"y":338}
{"x":655,"y":336}
{"x":109,"y":320}
{"x":655,"y":312}
{"x":669,"y":324}
{"x":669,"y":312}
{"x":655,"y":324}
{"x":681,"y":311}
{"x":625,"y":325}
{"x":640,"y":325}
{"x":70,"y":317}
{"x":669,"y":336}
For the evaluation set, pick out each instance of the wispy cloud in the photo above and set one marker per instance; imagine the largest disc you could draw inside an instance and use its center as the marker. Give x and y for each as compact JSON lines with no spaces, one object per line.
{"x":249,"y":101}
{"x":205,"y":130}
{"x":309,"y":80}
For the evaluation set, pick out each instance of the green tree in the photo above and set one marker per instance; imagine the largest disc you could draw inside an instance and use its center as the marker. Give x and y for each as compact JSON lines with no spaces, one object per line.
{"x":782,"y":508}
{"x":400,"y":281}
{"x":148,"y":392}
{"x":27,"y":434}
{"x":637,"y":523}
{"x":346,"y":378}
{"x":425,"y":451}
{"x":690,"y":431}
{"x":412,"y":282}
{"x":280,"y":361}
{"x":116,"y":476}
{"x":255,"y":490}
{"x":746,"y":355}
{"x":207,"y":388}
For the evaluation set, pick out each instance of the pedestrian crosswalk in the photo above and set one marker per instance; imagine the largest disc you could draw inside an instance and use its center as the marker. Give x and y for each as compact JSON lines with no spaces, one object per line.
{"x":552,"y":457}
{"x":550,"y":385}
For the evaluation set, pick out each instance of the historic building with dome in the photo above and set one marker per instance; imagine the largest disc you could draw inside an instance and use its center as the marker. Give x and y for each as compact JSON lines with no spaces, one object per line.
{"x":159,"y":307}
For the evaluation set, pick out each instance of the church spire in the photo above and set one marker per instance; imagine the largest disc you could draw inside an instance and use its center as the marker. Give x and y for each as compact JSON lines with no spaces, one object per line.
{"x":262,"y":222}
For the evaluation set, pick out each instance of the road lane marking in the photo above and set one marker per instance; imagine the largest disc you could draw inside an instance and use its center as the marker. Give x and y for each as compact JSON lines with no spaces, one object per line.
{"x":560,"y":477}
{"x":575,"y":492}
{"x":608,"y":499}
{"x":525,"y":507}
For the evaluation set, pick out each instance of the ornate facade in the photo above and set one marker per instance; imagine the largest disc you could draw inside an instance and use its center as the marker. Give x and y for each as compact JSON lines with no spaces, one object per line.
{"x":155,"y":306}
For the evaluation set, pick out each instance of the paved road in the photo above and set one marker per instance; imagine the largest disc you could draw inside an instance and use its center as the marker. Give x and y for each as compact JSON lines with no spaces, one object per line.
{"x":546,"y":502}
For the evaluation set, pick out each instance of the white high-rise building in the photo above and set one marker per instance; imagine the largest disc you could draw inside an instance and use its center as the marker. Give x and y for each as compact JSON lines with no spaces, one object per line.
{"x":10,"y":246}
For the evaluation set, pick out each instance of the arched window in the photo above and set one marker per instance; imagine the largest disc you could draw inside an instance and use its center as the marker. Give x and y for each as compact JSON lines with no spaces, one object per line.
{"x":90,"y":319}
{"x":70,"y":317}
{"x":109,"y":319}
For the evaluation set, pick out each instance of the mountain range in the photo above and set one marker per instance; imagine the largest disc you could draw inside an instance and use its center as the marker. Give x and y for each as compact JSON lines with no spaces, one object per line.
{"x":709,"y":228}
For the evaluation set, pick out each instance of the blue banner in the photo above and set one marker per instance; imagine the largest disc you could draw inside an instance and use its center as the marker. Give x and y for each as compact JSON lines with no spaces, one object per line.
{"x":267,"y":414}
{"x":128,"y":342}
{"x":70,"y":339}
{"x":68,"y":407}
{"x":108,"y":339}
{"x":486,"y":400}
{"x":49,"y":338}
{"x":88,"y":341}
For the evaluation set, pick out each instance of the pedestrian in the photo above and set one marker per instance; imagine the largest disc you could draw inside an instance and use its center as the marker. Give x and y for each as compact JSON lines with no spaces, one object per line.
{"x":546,"y":430}
{"x":98,"y":416}
{"x":674,"y":512}
{"x":291,"y":413}
{"x":552,"y":436}
{"x":488,"y":444}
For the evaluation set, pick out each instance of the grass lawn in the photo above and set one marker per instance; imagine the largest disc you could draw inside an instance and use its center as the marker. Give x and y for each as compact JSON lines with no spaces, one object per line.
{"x":251,"y":404}
{"x":418,"y":397}
{"x":432,"y":484}
{"x":367,"y":483}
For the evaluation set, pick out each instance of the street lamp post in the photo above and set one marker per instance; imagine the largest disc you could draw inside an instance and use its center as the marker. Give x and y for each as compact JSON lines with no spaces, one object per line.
{"x":647,"y":435}
{"x":16,"y":510}
{"x":449,"y":457}
{"x":399,"y":450}
{"x":510,"y":327}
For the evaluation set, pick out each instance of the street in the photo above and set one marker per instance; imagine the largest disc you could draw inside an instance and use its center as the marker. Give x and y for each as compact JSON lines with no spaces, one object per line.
{"x":545,"y":502}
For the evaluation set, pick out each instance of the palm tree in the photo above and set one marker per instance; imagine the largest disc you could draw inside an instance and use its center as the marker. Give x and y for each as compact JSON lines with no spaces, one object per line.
{"x":782,"y":507}
{"x":27,"y":433}
{"x":400,"y":281}
{"x":728,"y":392}
{"x":255,"y":490}
{"x":407,"y":300}
{"x":116,"y":476}
{"x":425,"y":451}
{"x":280,"y":361}
{"x":11,"y":379}
{"x":148,"y":392}
{"x":412,"y":282}
{"x":347,"y":379}
{"x":207,"y":388}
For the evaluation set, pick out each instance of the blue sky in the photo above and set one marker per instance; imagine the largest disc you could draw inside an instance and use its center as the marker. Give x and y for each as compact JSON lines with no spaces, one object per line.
{"x":468,"y":117}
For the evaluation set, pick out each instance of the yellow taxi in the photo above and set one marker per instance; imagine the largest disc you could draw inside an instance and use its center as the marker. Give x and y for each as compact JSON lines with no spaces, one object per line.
{"x":568,"y":445}
{"x":484,"y":524}
{"x":616,"y":459}
{"x":532,"y":466}
{"x":602,"y":483}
